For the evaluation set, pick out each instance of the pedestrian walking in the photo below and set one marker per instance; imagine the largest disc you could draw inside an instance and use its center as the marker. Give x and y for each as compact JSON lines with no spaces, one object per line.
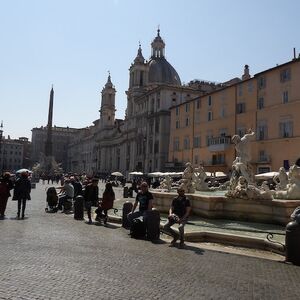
{"x":107,"y":203}
{"x":6,"y":185}
{"x":91,"y":192}
{"x":22,"y":193}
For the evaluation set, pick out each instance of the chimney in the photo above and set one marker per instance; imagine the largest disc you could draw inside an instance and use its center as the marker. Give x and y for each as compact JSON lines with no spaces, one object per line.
{"x":246,"y":74}
{"x":294,"y":53}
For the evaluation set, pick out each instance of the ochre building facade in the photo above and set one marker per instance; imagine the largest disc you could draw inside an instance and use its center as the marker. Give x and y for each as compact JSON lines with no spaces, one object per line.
{"x":268,"y":103}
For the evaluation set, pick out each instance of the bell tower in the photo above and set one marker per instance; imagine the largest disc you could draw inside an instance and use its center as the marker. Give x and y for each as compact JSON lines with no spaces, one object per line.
{"x":107,"y":110}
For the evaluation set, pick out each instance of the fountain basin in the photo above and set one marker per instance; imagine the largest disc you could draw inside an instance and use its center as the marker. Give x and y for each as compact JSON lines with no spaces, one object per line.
{"x":220,"y":207}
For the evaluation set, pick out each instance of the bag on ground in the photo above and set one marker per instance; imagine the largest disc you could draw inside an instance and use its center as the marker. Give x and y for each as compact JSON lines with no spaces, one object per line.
{"x":138,"y":229}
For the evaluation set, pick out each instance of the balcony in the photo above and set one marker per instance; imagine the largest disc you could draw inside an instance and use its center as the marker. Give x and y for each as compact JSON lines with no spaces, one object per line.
{"x":217,"y":144}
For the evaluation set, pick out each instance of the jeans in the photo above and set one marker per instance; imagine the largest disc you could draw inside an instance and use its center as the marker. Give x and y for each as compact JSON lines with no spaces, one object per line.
{"x":175,"y":235}
{"x":21,"y":202}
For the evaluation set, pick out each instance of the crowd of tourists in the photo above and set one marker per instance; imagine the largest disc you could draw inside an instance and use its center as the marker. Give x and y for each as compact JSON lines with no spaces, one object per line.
{"x":74,"y":186}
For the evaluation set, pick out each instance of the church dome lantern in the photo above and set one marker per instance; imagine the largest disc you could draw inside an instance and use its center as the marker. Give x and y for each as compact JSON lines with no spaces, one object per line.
{"x":160,"y":70}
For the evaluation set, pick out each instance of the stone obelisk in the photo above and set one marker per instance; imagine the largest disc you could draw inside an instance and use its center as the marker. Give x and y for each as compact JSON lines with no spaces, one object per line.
{"x":48,"y":144}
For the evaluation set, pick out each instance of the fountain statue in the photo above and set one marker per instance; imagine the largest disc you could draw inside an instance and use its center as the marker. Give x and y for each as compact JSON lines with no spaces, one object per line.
{"x":199,"y":178}
{"x":166,"y":184}
{"x":243,"y":158}
{"x":292,"y":189}
{"x":187,"y":179}
{"x":281,"y":180}
{"x":244,"y":190}
{"x":242,"y":182}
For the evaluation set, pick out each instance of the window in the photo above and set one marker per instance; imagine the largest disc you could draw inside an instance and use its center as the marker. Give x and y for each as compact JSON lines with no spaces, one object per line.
{"x":197,"y":118}
{"x":262,"y":132}
{"x":196,"y":141}
{"x":157,"y":126}
{"x":196,"y":159}
{"x":263,"y":170}
{"x":222,"y":112}
{"x":261,"y":82}
{"x":262,"y":156}
{"x":250,"y":86}
{"x":186,"y":143}
{"x":198,"y":104}
{"x":177,"y":124}
{"x":260,"y":103}
{"x":285,"y":97}
{"x":209,"y":116}
{"x":223,"y":132}
{"x":187,"y":122}
{"x":156,"y":147}
{"x":240,"y":108}
{"x":241,"y":131}
{"x":240,"y":90}
{"x":208,"y":138}
{"x":177,"y":111}
{"x":285,"y":75}
{"x":176,"y":144}
{"x":209,"y":101}
{"x":218,"y":159}
{"x":286,"y":129}
{"x":158,"y":103}
{"x":187,"y":107}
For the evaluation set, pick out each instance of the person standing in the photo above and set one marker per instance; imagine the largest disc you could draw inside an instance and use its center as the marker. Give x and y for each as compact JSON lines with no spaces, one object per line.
{"x":6,"y":185}
{"x":22,"y":193}
{"x":91,"y":196}
{"x":178,"y":214}
{"x":106,"y":203}
{"x":145,"y":201}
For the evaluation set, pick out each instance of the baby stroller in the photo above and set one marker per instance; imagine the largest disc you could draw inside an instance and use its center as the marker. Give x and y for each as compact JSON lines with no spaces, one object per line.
{"x":52,"y":200}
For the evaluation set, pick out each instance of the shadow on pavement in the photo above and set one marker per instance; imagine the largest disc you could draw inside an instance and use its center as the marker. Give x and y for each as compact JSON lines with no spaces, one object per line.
{"x":108,"y":225}
{"x":194,"y":249}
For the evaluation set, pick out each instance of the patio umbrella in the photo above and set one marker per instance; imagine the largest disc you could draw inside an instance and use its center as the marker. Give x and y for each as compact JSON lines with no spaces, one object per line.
{"x":23,"y":170}
{"x":118,"y":174}
{"x":265,"y":176}
{"x":136,"y":173}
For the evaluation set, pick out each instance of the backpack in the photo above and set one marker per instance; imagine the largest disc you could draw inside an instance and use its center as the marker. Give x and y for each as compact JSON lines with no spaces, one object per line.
{"x":138,"y":229}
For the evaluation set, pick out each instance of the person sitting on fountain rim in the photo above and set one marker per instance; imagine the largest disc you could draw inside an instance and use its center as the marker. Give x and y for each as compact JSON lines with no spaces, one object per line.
{"x":144,"y":198}
{"x":66,"y":194}
{"x":178,"y":213}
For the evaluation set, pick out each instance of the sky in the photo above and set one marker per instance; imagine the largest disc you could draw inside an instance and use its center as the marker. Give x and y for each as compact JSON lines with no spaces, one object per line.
{"x":72,"y":44}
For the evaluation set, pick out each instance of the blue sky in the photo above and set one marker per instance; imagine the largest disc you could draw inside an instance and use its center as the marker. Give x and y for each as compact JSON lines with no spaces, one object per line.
{"x":72,"y":44}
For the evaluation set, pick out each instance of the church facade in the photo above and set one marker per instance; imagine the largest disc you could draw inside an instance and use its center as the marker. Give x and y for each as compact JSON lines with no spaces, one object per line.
{"x":140,"y":141}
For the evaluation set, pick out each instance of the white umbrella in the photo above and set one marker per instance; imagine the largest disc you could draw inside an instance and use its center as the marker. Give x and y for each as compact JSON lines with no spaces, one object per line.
{"x":118,"y":174}
{"x":220,"y":174}
{"x":136,"y":173}
{"x":267,"y":175}
{"x":23,"y":170}
{"x":156,"y":174}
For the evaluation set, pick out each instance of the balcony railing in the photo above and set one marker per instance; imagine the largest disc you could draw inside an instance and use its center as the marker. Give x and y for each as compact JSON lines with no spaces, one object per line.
{"x":220,"y":143}
{"x":264,"y":159}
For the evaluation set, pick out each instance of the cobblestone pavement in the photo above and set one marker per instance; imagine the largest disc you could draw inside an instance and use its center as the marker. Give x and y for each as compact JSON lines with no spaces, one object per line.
{"x":52,"y":256}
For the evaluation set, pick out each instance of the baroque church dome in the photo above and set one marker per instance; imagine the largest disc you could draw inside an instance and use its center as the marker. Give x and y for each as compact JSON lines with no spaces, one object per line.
{"x":160,"y":70}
